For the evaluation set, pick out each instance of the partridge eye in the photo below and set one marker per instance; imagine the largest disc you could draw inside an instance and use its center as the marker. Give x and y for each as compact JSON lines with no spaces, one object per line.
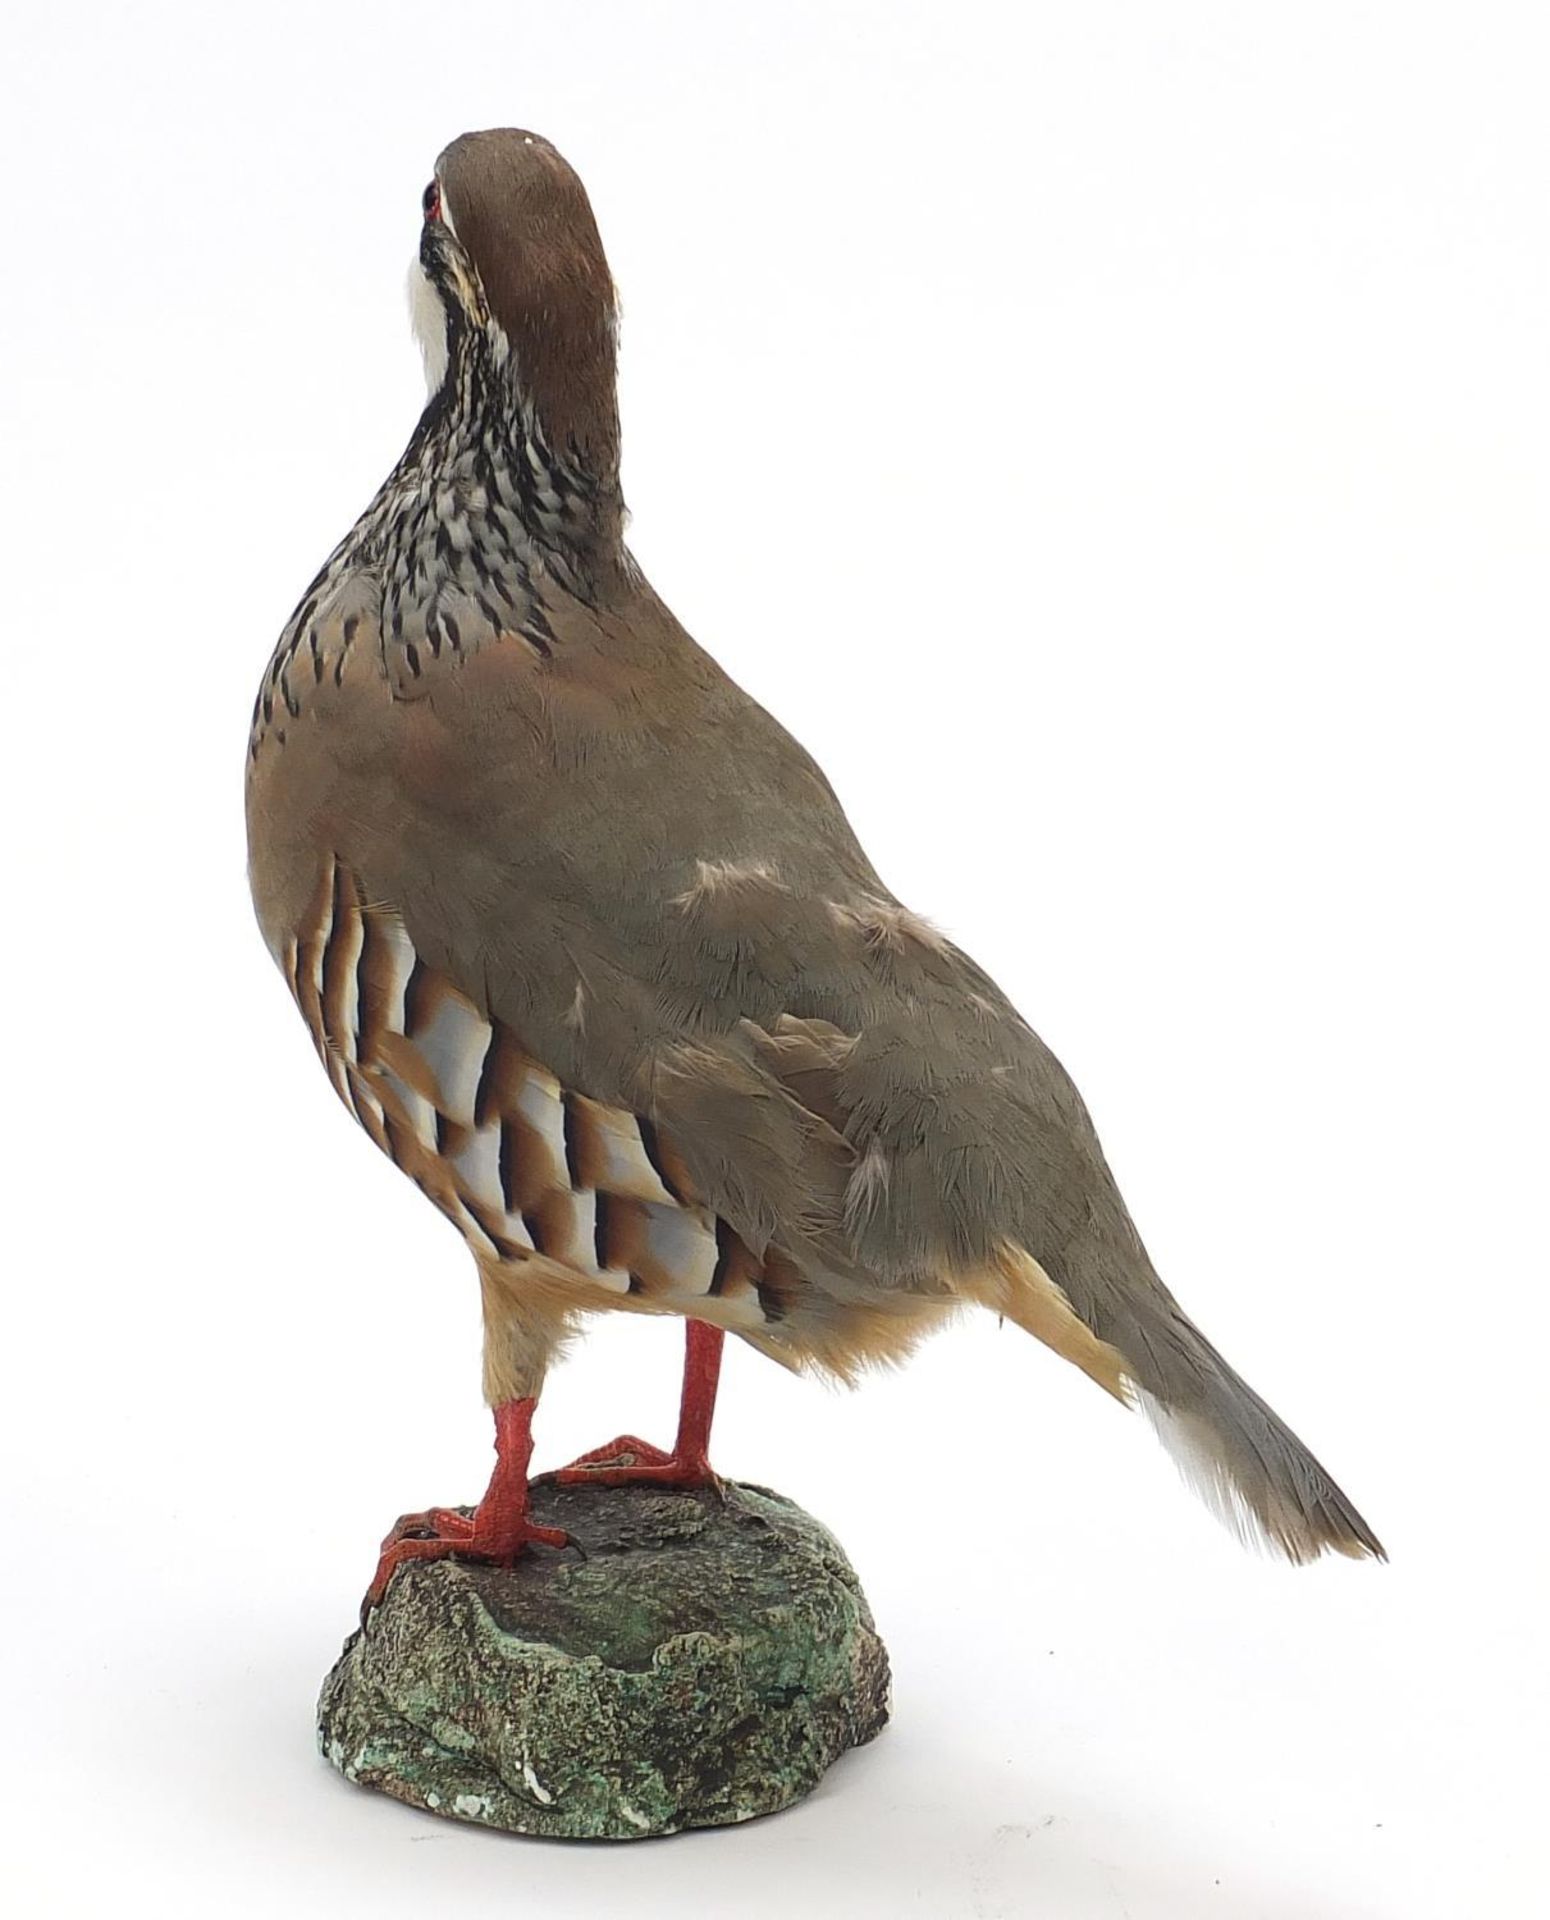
{"x":430,"y":201}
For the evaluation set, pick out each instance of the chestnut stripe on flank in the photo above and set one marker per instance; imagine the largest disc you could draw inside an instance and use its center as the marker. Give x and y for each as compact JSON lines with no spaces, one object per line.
{"x":338,"y":1069}
{"x":529,"y":1169}
{"x":368,"y":1110}
{"x":571,"y":1123}
{"x":674,"y":1172}
{"x":775,"y":1283}
{"x":651,"y":1146}
{"x":400,"y":1142}
{"x":309,"y":957}
{"x":378,"y":1009}
{"x":726,"y":1247}
{"x":508,"y":1167}
{"x":620,"y":1237}
{"x":340,"y":1020}
{"x":555,"y":1218}
{"x":404,"y":1059}
{"x":484,"y":1089}
{"x":414,"y":993}
{"x":502,"y":1076}
{"x":463,"y":1218}
{"x":327,"y":899}
{"x":365,"y":967}
{"x":494,"y":1229}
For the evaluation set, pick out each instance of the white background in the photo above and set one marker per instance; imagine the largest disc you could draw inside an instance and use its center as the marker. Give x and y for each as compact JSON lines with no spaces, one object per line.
{"x":1113,"y":438}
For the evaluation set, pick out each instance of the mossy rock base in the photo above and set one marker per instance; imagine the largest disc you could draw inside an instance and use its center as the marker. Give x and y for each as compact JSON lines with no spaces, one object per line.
{"x":706,"y":1662}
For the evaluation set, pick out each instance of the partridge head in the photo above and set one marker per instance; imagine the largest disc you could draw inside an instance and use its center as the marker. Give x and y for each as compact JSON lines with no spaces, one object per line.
{"x":588,"y":948}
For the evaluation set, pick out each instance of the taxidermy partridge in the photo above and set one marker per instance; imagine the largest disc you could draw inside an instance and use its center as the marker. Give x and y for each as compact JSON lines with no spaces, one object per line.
{"x":587,"y":945}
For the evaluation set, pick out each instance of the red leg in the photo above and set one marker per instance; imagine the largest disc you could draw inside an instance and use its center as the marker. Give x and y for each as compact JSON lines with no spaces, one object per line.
{"x":496,"y":1531}
{"x":626,"y":1461}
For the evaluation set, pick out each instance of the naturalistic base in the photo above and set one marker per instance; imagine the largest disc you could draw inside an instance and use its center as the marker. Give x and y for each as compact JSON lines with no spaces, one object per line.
{"x":706,"y":1662}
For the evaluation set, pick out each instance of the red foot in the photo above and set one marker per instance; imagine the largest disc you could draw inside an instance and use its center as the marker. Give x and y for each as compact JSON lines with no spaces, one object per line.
{"x":444,"y":1532}
{"x":498,"y":1529}
{"x":628,"y":1462}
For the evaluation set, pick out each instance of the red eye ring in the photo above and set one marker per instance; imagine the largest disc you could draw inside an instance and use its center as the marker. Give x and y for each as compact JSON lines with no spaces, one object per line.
{"x":430,"y":201}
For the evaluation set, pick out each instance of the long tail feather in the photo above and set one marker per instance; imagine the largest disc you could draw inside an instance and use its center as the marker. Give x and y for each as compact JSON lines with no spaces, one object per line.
{"x":1232,"y":1449}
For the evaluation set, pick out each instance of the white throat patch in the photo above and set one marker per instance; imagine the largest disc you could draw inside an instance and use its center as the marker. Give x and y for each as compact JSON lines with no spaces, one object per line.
{"x":430,"y":326}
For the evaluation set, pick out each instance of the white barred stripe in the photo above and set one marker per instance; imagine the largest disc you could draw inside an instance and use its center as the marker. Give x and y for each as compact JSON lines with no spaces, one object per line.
{"x":478,"y":1167}
{"x":454,"y":1042}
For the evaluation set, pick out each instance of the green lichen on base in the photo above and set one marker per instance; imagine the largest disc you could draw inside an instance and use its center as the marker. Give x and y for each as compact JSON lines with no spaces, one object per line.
{"x":711,"y":1657}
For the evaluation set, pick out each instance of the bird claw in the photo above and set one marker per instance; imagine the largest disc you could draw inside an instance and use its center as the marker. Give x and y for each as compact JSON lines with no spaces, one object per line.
{"x":444,"y":1533}
{"x":628,"y":1462}
{"x":436,"y":1523}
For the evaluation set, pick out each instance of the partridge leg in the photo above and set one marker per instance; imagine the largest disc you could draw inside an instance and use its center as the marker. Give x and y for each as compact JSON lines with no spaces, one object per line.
{"x":496,"y":1531}
{"x":626,"y":1461}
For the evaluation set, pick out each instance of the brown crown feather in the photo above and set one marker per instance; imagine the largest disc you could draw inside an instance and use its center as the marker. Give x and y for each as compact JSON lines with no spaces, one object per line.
{"x":524,"y":219}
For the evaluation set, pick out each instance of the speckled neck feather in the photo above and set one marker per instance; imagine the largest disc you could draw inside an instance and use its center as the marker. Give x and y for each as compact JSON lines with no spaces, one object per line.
{"x":480,"y":505}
